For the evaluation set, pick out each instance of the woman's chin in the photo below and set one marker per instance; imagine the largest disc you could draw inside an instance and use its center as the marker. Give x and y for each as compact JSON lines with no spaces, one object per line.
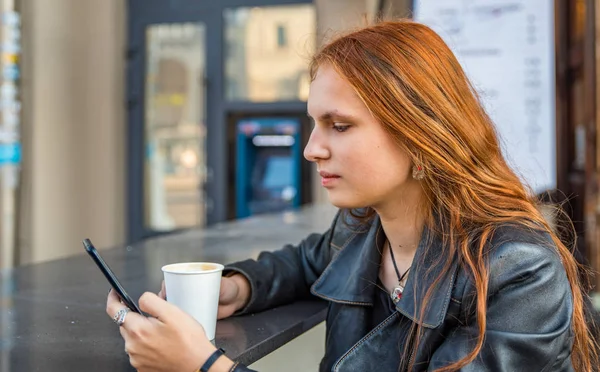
{"x":344,"y":203}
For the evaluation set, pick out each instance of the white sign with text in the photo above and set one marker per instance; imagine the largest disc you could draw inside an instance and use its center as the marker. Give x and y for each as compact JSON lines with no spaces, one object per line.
{"x":507,"y":50}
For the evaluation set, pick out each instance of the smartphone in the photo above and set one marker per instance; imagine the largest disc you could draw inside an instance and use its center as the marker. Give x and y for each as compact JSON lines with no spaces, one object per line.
{"x":110,"y":276}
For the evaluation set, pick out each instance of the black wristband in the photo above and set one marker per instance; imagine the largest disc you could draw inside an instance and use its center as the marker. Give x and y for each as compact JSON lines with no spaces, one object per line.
{"x":212,"y":359}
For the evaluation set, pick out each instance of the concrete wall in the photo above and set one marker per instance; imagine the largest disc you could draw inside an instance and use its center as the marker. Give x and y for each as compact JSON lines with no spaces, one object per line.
{"x":74,"y":126}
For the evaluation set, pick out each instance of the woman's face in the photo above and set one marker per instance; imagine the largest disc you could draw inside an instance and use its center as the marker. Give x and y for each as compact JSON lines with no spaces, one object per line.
{"x":359,"y":163}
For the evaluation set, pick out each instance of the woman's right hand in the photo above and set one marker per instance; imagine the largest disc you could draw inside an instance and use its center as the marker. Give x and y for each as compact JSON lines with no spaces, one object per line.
{"x":234,"y":295}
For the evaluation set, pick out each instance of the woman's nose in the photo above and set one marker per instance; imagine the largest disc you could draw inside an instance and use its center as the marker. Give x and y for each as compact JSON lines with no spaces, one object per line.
{"x":316,"y":148}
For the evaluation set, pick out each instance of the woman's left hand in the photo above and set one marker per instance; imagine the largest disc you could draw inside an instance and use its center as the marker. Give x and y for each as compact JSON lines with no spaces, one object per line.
{"x":170,"y":340}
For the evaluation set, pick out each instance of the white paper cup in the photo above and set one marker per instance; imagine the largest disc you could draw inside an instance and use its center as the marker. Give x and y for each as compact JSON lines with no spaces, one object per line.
{"x":194,"y":287}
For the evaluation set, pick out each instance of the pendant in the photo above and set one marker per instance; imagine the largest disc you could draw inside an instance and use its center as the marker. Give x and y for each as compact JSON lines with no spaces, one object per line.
{"x":396,"y":294}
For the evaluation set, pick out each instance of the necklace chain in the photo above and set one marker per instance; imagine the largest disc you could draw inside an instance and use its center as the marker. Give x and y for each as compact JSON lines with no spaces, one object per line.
{"x":400,"y":277}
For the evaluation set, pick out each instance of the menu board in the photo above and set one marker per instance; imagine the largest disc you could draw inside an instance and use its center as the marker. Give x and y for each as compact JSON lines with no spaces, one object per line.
{"x":507,"y":50}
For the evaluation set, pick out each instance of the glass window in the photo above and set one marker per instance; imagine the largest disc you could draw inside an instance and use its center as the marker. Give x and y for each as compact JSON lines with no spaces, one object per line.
{"x":267,"y":52}
{"x":175,"y":169}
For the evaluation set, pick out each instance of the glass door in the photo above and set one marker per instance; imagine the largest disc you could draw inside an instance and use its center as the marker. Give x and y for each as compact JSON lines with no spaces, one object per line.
{"x":175,"y":165}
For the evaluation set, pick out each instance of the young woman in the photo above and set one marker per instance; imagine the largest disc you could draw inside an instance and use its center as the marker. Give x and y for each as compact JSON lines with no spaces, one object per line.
{"x":439,"y":259}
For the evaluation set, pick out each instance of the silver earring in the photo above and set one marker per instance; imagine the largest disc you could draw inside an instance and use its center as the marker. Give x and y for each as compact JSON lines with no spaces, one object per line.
{"x":418,"y":173}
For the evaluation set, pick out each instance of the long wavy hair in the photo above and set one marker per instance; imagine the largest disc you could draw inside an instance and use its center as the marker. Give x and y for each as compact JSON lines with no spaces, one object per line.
{"x":413,"y":84}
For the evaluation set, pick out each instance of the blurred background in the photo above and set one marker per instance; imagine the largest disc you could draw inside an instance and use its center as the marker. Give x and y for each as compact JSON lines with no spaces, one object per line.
{"x":122,"y":120}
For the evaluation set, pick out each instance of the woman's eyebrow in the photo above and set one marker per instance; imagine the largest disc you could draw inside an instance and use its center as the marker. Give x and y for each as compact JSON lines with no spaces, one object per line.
{"x":333,"y":115}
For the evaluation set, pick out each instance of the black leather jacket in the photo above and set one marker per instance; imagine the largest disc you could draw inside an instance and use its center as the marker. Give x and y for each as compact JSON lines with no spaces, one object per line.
{"x":529,"y":302}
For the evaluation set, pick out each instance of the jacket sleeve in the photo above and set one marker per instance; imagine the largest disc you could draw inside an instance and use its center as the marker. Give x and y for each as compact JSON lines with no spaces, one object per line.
{"x":528,"y":318}
{"x":283,"y":276}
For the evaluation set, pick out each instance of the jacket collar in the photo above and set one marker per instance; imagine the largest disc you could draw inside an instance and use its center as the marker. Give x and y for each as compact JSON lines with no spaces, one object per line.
{"x":351,"y":276}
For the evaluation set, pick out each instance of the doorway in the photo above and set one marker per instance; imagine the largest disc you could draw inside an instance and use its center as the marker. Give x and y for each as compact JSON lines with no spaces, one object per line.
{"x":192,"y":65}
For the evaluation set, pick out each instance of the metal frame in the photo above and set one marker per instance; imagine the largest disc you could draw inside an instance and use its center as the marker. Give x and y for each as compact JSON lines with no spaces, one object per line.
{"x":140,"y":15}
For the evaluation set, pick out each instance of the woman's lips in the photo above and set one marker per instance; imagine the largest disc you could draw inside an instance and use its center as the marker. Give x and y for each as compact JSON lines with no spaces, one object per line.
{"x":328,"y":179}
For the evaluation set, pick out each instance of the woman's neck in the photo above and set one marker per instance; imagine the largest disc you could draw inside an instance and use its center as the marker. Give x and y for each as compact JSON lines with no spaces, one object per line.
{"x":403,"y":224}
{"x":403,"y":235}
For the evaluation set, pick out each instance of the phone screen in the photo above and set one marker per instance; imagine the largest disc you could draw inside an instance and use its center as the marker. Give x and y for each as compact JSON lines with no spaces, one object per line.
{"x":110,"y":276}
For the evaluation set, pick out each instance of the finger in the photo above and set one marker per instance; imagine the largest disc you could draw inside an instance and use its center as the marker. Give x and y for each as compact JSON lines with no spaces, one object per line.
{"x":135,"y":325}
{"x":125,"y":334}
{"x":157,"y":307}
{"x":113,"y":303}
{"x":225,"y":311}
{"x":227,"y":291}
{"x":133,"y":360}
{"x":223,"y":288}
{"x":163,"y":291}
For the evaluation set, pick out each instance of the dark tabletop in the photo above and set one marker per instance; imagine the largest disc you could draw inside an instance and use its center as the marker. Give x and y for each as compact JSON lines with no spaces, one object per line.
{"x":53,"y":314}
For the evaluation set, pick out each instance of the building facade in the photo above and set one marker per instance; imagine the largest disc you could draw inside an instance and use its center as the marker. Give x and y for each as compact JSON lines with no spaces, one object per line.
{"x":130,"y":109}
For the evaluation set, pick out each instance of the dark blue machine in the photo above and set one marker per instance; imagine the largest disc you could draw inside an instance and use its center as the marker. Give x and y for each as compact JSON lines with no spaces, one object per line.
{"x":268,"y":163}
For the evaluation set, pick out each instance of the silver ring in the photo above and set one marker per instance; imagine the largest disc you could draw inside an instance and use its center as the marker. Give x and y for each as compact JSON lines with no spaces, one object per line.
{"x":119,"y":317}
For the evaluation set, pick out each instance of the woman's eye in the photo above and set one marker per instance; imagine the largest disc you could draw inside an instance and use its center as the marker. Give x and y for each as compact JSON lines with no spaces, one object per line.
{"x":341,"y":128}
